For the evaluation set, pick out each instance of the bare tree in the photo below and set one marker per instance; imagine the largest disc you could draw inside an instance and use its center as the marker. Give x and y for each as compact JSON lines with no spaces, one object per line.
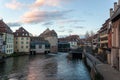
{"x":92,"y":33}
{"x":87,"y":35}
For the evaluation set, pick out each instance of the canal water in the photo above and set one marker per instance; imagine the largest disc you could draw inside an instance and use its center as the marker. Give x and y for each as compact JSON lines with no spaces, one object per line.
{"x":43,"y":67}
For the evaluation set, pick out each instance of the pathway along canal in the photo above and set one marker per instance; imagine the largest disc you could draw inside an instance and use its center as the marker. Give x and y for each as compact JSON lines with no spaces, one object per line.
{"x":43,"y":67}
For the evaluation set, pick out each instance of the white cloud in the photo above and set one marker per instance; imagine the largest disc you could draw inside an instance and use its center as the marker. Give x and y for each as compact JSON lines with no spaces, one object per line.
{"x":37,"y":16}
{"x":14,"y":5}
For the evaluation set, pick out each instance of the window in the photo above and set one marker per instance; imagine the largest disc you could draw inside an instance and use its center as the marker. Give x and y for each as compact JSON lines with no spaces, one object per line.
{"x":16,"y":38}
{"x":32,"y":46}
{"x":17,"y":34}
{"x":22,"y":42}
{"x":27,"y":38}
{"x":26,"y":42}
{"x":40,"y":46}
{"x":26,"y":34}
{"x":23,"y":30}
{"x":16,"y":42}
{"x":22,"y":38}
{"x":21,"y":46}
{"x":47,"y":46}
{"x":26,"y":46}
{"x":23,"y":34}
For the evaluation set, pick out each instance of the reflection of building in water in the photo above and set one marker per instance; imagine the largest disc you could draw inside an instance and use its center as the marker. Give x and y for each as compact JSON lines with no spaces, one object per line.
{"x":44,"y":69}
{"x":50,"y":69}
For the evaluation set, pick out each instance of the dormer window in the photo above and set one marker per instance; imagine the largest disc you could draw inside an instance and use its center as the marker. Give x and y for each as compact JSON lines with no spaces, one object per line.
{"x":23,"y":34}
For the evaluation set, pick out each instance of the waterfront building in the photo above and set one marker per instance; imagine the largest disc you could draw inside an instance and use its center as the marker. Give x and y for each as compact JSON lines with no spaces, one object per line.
{"x":63,"y":45}
{"x":88,"y":41}
{"x":52,"y":38}
{"x":8,"y":38}
{"x":22,"y":40}
{"x":95,"y":41}
{"x":103,"y":32}
{"x":81,"y":43}
{"x":115,"y":51}
{"x":73,"y":40}
{"x":39,"y":45}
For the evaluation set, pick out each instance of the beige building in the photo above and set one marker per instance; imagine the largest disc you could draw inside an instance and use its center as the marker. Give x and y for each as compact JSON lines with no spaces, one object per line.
{"x":52,"y":38}
{"x":21,"y":40}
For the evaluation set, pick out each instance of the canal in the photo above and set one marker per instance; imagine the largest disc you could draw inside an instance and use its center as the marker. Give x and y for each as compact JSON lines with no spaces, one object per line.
{"x":43,"y":67}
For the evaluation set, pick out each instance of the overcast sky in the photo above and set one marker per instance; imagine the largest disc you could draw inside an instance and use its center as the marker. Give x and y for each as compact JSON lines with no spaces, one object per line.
{"x":64,"y":16}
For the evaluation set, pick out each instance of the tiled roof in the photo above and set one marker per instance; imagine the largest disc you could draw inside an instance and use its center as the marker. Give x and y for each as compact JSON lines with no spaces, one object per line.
{"x":37,"y":39}
{"x":73,"y":38}
{"x":70,"y":38}
{"x":21,"y":32}
{"x":4,"y":28}
{"x":48,"y":32}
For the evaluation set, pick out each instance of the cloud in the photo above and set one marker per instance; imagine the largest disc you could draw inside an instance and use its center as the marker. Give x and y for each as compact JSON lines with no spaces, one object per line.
{"x":70,"y":31}
{"x":61,"y":31}
{"x":61,"y":27}
{"x":39,"y":3}
{"x":70,"y":21}
{"x":47,"y":23}
{"x":37,"y":16}
{"x":81,"y":27}
{"x":14,"y":24}
{"x":14,"y":5}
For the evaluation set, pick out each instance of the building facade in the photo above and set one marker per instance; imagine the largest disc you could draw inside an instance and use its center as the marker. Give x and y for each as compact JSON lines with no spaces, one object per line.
{"x":38,"y":45}
{"x":1,"y":43}
{"x":95,"y":41}
{"x":104,"y":49}
{"x":8,"y":38}
{"x":73,"y":40}
{"x":52,"y":38}
{"x":115,"y":51}
{"x":63,"y":45}
{"x":21,"y":40}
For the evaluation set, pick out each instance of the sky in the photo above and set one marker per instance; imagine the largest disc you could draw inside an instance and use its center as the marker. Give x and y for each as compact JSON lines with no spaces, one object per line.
{"x":66,"y":17}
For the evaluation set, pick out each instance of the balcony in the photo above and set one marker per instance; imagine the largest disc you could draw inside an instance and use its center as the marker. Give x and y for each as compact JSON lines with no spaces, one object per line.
{"x":104,"y":35}
{"x":104,"y":41}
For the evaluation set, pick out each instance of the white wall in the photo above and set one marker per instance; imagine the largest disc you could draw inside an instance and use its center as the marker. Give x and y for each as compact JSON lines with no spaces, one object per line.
{"x":73,"y":45}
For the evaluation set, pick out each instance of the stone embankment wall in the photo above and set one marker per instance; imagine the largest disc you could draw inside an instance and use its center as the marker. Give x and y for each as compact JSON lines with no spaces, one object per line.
{"x":99,"y":70}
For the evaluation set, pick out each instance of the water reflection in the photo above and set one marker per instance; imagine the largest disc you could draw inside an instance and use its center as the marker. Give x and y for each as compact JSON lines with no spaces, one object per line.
{"x":40,"y":67}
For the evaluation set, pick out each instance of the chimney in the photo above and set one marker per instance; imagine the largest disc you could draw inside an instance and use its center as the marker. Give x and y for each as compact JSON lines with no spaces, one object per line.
{"x":115,"y":6}
{"x":111,"y":12}
{"x":119,"y":3}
